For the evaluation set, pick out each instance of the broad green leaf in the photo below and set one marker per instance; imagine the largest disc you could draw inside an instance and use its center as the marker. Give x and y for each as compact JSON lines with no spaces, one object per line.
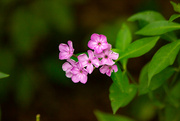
{"x":119,"y":98}
{"x":178,"y":59}
{"x":158,"y":28}
{"x":172,"y":113}
{"x":156,"y":81}
{"x":123,"y":38}
{"x":101,"y":116}
{"x":173,"y":17}
{"x":3,"y":75}
{"x":175,"y":6}
{"x":169,"y":36}
{"x":139,"y":47}
{"x":147,"y":16}
{"x":164,"y":57}
{"x":119,"y":78}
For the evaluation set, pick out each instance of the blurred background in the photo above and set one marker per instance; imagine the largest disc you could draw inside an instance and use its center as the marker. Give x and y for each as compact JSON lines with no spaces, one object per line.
{"x":30,"y":33}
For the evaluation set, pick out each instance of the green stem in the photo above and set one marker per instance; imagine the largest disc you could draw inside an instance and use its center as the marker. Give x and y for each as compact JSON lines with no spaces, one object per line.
{"x":74,"y":55}
{"x":38,"y":117}
{"x":132,"y":79}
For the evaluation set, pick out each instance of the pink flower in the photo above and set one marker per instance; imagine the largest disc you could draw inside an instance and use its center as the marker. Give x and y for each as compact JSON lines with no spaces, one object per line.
{"x":88,"y":61}
{"x":66,"y":51}
{"x":107,"y":57}
{"x":67,"y":66}
{"x":108,"y":69}
{"x":98,"y":42}
{"x":79,"y":74}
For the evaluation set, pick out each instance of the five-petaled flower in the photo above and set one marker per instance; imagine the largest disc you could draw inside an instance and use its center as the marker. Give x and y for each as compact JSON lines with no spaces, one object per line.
{"x":66,"y":51}
{"x":107,"y":69}
{"x":98,"y":43}
{"x":89,"y":61}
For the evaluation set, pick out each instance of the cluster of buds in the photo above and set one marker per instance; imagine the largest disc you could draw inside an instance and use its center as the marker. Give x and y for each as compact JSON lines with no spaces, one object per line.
{"x":100,"y":55}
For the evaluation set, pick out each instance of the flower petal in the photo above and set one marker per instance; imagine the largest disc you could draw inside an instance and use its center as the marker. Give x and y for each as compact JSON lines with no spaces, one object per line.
{"x":95,"y":37}
{"x":95,"y":62}
{"x":75,"y":78}
{"x":115,"y":68}
{"x":63,"y":47}
{"x":66,"y":66}
{"x":103,"y":69}
{"x":75,"y":70}
{"x":64,"y":55}
{"x":69,"y":74}
{"x":83,"y":78}
{"x":83,"y":59}
{"x":89,"y":68}
{"x":91,"y":54}
{"x":108,"y":72}
{"x":92,"y":44}
{"x":102,"y":38}
{"x":114,"y":56}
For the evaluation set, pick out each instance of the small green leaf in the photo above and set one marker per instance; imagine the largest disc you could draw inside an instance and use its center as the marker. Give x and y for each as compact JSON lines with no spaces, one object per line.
{"x":173,"y":17}
{"x":124,"y":38}
{"x":147,"y":16}
{"x":119,"y":78}
{"x":156,"y":81}
{"x":119,"y":98}
{"x":164,"y":57}
{"x":101,"y":116}
{"x":139,"y":47}
{"x":158,"y":28}
{"x":3,"y":75}
{"x":175,"y":6}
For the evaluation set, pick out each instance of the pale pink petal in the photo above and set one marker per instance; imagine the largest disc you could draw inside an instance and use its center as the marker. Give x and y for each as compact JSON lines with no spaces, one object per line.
{"x":103,"y":69}
{"x":64,"y":55}
{"x":96,"y":62}
{"x":75,"y":70}
{"x":69,"y":74}
{"x":82,"y":57}
{"x":115,"y":68}
{"x":98,"y":49}
{"x":70,"y":44}
{"x":108,"y":73}
{"x":95,"y":37}
{"x":103,"y":38}
{"x":66,"y":66}
{"x":72,"y":62}
{"x":114,"y":56}
{"x":75,"y":78}
{"x":90,"y":68}
{"x":90,"y":53}
{"x":63,"y":47}
{"x":92,"y":44}
{"x":110,"y":62}
{"x":83,"y":78}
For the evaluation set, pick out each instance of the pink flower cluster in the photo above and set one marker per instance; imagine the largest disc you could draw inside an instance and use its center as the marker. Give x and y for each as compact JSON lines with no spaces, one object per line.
{"x":101,"y":56}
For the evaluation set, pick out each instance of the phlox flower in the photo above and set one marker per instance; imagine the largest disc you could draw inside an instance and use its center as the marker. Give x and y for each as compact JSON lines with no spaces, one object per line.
{"x":107,"y":57}
{"x":98,"y":43}
{"x":79,"y":74}
{"x":88,"y":61}
{"x":67,"y":66}
{"x":66,"y":51}
{"x":108,"y":69}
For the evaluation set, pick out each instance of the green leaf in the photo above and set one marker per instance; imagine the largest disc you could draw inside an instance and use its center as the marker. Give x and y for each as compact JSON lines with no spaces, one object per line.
{"x":158,"y":28}
{"x":147,"y":16}
{"x":175,"y":6}
{"x":139,"y":47}
{"x":3,"y":75}
{"x":173,"y":17}
{"x":109,"y":117}
{"x":172,"y":113}
{"x":156,"y":81}
{"x":164,"y":57}
{"x":119,"y":78}
{"x":169,"y":36}
{"x":121,"y":98}
{"x":124,"y":38}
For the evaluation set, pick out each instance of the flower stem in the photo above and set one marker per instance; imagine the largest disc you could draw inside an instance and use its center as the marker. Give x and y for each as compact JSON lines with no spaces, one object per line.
{"x":75,"y":56}
{"x":38,"y":117}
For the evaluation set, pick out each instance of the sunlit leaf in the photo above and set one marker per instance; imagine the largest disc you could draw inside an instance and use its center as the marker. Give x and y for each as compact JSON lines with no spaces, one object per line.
{"x":121,"y":98}
{"x":173,"y":17}
{"x":101,"y":116}
{"x":147,"y":16}
{"x":139,"y":47}
{"x":164,"y":57}
{"x":119,"y":78}
{"x":175,"y":6}
{"x":3,"y":75}
{"x":158,"y":28}
{"x":156,"y":81}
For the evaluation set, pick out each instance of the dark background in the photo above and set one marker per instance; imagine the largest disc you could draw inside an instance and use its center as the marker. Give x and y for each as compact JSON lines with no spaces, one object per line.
{"x":30,"y":33}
